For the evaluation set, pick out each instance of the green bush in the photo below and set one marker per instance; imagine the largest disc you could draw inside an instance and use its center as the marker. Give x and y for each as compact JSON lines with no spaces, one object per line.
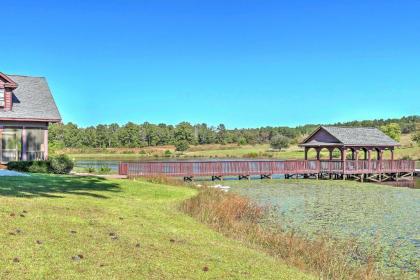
{"x":90,"y":169}
{"x":182,"y":145}
{"x":61,"y":164}
{"x":104,"y":170}
{"x":30,"y":166}
{"x":22,"y":166}
{"x":39,"y":167}
{"x":279,"y":142}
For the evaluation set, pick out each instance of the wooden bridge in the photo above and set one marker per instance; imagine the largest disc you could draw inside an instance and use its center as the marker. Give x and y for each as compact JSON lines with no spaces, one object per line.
{"x":373,"y":170}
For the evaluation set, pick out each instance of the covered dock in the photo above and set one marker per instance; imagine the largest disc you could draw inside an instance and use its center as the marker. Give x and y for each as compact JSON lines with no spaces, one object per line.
{"x":348,"y":143}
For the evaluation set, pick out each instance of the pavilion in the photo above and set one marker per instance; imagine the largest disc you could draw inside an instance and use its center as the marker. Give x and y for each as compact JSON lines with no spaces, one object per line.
{"x":332,"y":138}
{"x":353,"y":139}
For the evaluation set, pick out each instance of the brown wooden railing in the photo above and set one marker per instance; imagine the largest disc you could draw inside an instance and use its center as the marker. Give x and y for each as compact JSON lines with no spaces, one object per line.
{"x":262,"y":167}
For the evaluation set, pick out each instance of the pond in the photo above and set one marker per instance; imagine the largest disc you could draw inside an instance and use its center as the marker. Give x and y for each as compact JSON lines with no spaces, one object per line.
{"x":92,"y":163}
{"x":389,"y":216}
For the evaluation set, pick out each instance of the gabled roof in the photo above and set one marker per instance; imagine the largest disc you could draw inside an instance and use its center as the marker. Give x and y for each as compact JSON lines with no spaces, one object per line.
{"x":32,"y":100}
{"x":8,"y":82}
{"x":351,"y":136}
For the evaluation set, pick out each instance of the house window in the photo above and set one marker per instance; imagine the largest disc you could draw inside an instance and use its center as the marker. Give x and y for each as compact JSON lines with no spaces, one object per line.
{"x":35,"y":144}
{"x":1,"y":97}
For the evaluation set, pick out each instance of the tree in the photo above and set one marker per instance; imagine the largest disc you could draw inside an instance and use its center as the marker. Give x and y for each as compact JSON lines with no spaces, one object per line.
{"x":241,"y":140}
{"x":102,"y":136}
{"x":416,"y":138}
{"x":184,"y":132}
{"x":205,"y":134}
{"x":279,"y":141}
{"x":150,"y":134}
{"x":393,"y":130}
{"x":221,"y":134}
{"x":89,"y":137}
{"x":182,"y":145}
{"x":129,"y":135}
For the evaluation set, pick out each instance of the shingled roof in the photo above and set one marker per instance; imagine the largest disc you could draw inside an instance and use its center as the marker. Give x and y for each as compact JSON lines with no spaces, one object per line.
{"x":32,"y":99}
{"x":351,"y":136}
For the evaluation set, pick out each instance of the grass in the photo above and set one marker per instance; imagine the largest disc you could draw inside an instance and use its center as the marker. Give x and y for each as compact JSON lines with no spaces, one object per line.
{"x":63,"y":227}
{"x":238,"y":217}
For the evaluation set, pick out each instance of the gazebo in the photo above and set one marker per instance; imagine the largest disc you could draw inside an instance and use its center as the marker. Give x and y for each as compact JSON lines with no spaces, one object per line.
{"x":353,"y":139}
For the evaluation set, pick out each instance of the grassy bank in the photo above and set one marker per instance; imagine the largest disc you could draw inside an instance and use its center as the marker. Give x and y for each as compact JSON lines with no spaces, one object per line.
{"x":62,"y":227}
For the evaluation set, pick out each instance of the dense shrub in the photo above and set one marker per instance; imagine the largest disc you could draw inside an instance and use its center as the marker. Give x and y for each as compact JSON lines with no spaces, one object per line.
{"x":104,"y":170}
{"x":182,"y":145}
{"x":279,"y":142}
{"x":61,"y":164}
{"x":393,"y":130}
{"x":39,"y":167}
{"x":22,"y":166}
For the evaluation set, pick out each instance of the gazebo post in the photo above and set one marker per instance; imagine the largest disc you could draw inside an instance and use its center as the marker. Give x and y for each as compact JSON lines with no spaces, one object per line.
{"x":379,"y":153}
{"x":342,"y":150}
{"x":369,"y":159}
{"x":306,"y":153}
{"x":343,"y":160}
{"x":392,"y":159}
{"x":330,"y":150}
{"x":318,"y":153}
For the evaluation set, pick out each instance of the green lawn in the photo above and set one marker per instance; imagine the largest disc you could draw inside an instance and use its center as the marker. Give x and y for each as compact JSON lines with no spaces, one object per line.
{"x":121,"y":229}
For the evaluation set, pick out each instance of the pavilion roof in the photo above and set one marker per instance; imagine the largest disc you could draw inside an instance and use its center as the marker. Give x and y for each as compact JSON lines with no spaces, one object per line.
{"x":350,"y":136}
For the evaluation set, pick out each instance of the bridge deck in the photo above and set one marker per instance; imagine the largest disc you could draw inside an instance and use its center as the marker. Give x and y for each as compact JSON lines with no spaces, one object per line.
{"x":263,"y":167}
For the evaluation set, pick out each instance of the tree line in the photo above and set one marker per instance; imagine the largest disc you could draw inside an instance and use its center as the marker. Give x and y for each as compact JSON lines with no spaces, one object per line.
{"x":132,"y":135}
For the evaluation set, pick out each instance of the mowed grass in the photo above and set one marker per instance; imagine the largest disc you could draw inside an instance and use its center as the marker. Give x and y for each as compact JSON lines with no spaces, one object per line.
{"x":63,"y":227}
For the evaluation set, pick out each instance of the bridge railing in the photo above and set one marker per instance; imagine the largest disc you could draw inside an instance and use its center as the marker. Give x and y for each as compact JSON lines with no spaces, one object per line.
{"x":262,"y":167}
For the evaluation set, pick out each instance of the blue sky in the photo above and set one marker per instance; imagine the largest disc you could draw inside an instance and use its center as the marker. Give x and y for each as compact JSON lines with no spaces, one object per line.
{"x":242,"y":63}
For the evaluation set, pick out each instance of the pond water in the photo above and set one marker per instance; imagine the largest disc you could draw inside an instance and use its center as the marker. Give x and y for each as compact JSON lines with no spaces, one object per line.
{"x":389,"y":216}
{"x":92,"y":163}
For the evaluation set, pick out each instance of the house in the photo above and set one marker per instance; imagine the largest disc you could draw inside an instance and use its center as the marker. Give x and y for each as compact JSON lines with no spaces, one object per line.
{"x":27,"y":107}
{"x":353,"y":139}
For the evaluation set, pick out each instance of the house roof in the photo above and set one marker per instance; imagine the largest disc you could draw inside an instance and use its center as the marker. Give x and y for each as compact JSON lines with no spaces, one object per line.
{"x":352,"y":136}
{"x":32,"y":100}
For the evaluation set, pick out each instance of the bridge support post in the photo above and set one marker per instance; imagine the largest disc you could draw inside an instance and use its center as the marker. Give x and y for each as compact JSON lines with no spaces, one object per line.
{"x":188,"y":179}
{"x":217,"y":178}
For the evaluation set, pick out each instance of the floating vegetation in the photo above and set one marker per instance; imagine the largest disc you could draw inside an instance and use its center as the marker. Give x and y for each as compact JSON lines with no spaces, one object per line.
{"x":383,"y":219}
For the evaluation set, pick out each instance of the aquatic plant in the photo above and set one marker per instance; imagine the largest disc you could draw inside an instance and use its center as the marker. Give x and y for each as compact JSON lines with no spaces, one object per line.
{"x":238,"y":217}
